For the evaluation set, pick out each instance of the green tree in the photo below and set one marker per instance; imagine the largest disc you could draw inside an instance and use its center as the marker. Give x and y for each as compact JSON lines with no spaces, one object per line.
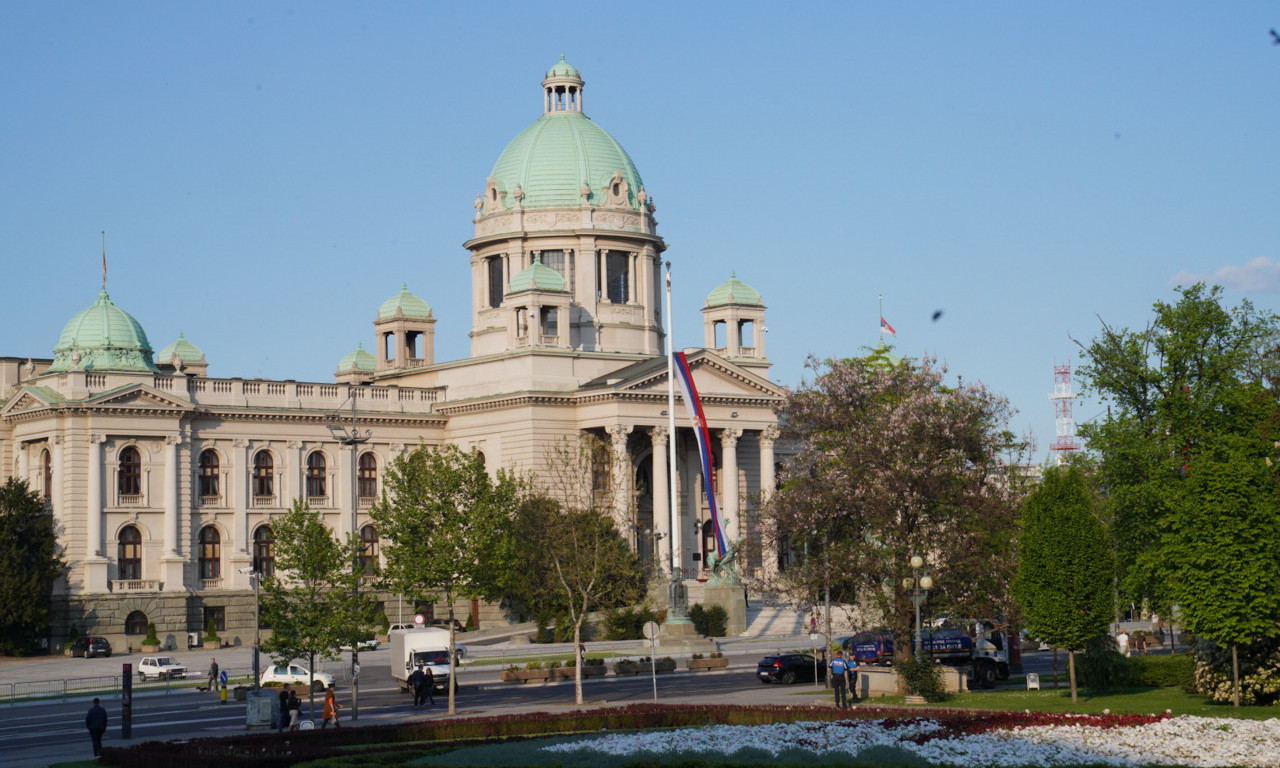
{"x":1066,"y":570}
{"x":311,"y":601}
{"x":1223,"y":540}
{"x":447,"y":527}
{"x":1198,"y":371}
{"x":894,"y":464}
{"x":573,"y":561}
{"x":30,"y":562}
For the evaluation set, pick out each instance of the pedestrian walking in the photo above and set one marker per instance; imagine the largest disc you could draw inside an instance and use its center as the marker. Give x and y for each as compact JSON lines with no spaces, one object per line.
{"x":429,"y":685}
{"x":415,"y":681}
{"x":282,"y":717}
{"x":840,"y":680}
{"x":331,"y":707}
{"x":213,"y":675}
{"x":1122,"y":642}
{"x":295,"y":711}
{"x":96,"y":722}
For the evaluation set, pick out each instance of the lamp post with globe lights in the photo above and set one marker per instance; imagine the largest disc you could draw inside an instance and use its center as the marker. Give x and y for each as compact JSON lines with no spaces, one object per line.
{"x":918,"y":587}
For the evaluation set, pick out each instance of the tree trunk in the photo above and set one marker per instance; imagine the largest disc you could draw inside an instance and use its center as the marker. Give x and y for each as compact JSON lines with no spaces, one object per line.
{"x":1235,"y":677}
{"x":311,"y":685}
{"x":577,"y":668}
{"x":1071,"y":673}
{"x":1055,"y":667}
{"x":453,"y":644}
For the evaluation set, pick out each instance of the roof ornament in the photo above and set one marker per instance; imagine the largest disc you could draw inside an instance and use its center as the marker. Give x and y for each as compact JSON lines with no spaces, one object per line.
{"x":479,"y":204}
{"x":518,"y":194}
{"x":585,"y":192}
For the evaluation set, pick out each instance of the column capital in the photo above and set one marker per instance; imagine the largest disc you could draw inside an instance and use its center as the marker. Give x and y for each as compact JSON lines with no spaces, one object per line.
{"x":97,"y":438}
{"x":56,"y":440}
{"x":619,"y":432}
{"x":770,"y":433}
{"x":658,"y":435}
{"x":173,"y":440}
{"x":240,"y":442}
{"x":294,"y":445}
{"x":729,"y":436}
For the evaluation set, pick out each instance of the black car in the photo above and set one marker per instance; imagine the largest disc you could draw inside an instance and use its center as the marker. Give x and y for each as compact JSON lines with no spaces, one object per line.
{"x":790,"y":668}
{"x":90,"y":647}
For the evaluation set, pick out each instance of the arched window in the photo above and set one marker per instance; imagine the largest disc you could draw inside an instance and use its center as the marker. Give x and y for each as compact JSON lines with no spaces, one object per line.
{"x":130,"y":477}
{"x":263,"y":474}
{"x":316,"y":476}
{"x":129,"y":553}
{"x":46,"y":464}
{"x":210,"y":553}
{"x":264,"y":558}
{"x":209,"y":475}
{"x":368,"y":549}
{"x":368,"y":476}
{"x":135,"y":623}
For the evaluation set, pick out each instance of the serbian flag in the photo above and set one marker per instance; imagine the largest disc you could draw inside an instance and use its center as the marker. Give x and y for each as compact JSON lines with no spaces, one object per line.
{"x":694,"y":406}
{"x":886,"y":328}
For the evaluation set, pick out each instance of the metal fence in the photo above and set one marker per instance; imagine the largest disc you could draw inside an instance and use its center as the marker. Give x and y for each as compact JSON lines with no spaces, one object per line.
{"x":109,"y":686}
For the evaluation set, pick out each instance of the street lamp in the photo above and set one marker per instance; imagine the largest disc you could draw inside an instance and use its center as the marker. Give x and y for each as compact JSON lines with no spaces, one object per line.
{"x":353,"y":437}
{"x":918,"y":587}
{"x":256,"y":578}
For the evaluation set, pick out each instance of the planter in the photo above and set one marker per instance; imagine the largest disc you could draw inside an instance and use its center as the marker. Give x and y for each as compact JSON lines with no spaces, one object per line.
{"x":241,"y":692}
{"x":149,"y":648}
{"x":626,"y":668}
{"x":643,"y":668}
{"x":212,"y":645}
{"x":526,"y":675}
{"x":594,"y":670}
{"x":706,"y":665}
{"x":562,"y":673}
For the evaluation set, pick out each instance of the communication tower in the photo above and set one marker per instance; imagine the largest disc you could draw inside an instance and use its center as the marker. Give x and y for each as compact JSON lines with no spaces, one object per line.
{"x":1063,"y":402}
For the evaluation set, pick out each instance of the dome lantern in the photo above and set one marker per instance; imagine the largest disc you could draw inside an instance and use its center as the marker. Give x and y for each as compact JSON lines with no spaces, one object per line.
{"x":562,"y":89}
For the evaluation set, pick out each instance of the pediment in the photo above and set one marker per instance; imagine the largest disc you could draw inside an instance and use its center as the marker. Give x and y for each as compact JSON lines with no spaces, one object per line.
{"x":27,"y":399}
{"x":138,"y":396}
{"x":712,"y":375}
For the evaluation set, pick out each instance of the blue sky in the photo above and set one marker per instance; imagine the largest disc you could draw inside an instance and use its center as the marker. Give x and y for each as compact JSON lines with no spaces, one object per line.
{"x":267,"y":174}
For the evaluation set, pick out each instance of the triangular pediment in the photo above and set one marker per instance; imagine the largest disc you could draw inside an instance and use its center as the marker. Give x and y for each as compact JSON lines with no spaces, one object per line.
{"x":138,"y":396}
{"x":713,"y":376}
{"x":29,"y":398}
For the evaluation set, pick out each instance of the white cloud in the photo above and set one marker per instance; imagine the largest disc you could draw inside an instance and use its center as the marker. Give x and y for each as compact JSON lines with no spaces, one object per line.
{"x":1258,"y":276}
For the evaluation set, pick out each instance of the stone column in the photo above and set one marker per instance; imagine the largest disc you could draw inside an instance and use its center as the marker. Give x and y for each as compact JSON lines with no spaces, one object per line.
{"x":244,"y":498}
{"x":295,"y":471}
{"x":768,"y":483}
{"x":95,"y":563}
{"x":55,"y":493}
{"x":621,"y":471}
{"x":730,"y":508}
{"x":171,"y":561}
{"x":22,"y":462}
{"x":661,"y":497}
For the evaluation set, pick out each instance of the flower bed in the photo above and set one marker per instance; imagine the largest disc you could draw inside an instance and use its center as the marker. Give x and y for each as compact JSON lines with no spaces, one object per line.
{"x":1003,"y":739}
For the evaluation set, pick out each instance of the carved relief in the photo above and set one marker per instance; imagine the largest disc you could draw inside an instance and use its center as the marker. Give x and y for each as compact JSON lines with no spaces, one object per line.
{"x":617,"y":192}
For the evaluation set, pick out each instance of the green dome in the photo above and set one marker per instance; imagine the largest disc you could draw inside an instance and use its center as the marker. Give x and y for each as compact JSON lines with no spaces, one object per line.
{"x":185,"y":350}
{"x":552,"y":159}
{"x":357,"y":360}
{"x":734,"y":291}
{"x":405,"y":304}
{"x":536,"y":277}
{"x":563,"y":68}
{"x":103,"y":338}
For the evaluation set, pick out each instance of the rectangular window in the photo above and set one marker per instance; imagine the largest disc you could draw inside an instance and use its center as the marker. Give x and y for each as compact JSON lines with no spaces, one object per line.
{"x":218,"y":615}
{"x":497,"y":286}
{"x":617,"y":276}
{"x":550,"y":325}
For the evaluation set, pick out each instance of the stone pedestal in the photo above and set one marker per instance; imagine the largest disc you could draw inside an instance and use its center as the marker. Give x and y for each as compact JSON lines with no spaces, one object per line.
{"x":733,"y":599}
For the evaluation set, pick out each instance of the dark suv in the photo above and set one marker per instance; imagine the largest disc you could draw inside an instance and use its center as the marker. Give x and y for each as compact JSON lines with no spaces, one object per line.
{"x":90,"y":647}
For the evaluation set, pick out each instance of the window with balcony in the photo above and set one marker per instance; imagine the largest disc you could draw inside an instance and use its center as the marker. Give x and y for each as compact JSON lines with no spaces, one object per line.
{"x":264,"y":559}
{"x":129,"y":553}
{"x":368,"y":486}
{"x":209,"y":485}
{"x":264,"y":485}
{"x":210,"y":553}
{"x":368,"y":549}
{"x":129,"y":476}
{"x":316,"y":477}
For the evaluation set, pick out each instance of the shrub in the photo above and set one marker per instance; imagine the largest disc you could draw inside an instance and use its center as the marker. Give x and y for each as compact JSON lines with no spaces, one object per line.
{"x":151,"y":638}
{"x":384,"y":624}
{"x":1259,"y":672}
{"x":696,"y":656}
{"x":72,"y":637}
{"x":535,"y":664}
{"x":709,"y":621}
{"x":1164,"y":671}
{"x":570,"y":663}
{"x":627,"y":623}
{"x":717,"y":655}
{"x":922,"y":678}
{"x":470,"y":625}
{"x":553,"y":665}
{"x":211,"y":633}
{"x":1102,"y":668}
{"x":593,"y":661}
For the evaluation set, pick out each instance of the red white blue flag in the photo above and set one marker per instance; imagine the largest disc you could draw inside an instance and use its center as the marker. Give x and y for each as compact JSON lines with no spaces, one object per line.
{"x":694,"y":407}
{"x":886,"y":328}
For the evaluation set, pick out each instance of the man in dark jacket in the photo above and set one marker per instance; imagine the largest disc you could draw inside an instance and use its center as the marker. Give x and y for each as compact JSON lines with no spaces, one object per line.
{"x":96,"y":722}
{"x":417,"y":681}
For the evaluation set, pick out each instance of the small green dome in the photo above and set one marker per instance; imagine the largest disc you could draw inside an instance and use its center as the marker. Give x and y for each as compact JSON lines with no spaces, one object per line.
{"x":537,"y":277}
{"x":405,"y":304}
{"x":103,"y":338}
{"x":733,"y":291}
{"x":562,"y":68}
{"x":357,"y":360}
{"x":185,"y":350}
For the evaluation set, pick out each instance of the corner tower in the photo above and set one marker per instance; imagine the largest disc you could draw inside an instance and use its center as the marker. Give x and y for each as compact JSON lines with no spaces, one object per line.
{"x":566,"y":196}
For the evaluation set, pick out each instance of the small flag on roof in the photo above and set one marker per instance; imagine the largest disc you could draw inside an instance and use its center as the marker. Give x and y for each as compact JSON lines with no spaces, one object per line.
{"x":886,"y":328}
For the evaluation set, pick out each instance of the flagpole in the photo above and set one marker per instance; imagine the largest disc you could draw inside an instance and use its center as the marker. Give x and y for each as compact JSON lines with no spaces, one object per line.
{"x":676,"y":569}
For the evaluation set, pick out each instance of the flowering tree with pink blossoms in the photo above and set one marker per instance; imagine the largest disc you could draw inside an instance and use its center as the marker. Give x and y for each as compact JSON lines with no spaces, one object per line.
{"x":896,"y":463}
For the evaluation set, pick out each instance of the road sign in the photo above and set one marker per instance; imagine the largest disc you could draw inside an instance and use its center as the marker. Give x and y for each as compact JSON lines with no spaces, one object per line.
{"x":419,"y":620}
{"x":650,"y":630}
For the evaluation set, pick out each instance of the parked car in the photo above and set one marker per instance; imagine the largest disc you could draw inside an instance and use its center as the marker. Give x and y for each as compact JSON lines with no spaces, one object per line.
{"x":160,"y":667}
{"x":790,"y":668}
{"x":364,"y":645}
{"x":294,"y":674}
{"x":458,"y":626}
{"x":91,"y":647}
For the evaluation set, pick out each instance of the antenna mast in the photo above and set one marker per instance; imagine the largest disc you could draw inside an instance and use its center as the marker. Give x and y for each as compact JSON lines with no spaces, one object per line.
{"x":1063,"y":403}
